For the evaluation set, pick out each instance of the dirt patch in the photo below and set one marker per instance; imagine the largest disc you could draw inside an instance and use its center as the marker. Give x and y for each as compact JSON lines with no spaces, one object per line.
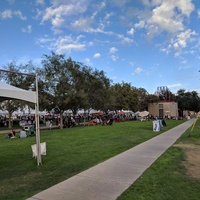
{"x":192,"y":161}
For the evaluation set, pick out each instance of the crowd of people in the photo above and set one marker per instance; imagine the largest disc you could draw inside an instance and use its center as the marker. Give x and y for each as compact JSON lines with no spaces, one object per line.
{"x":69,"y":122}
{"x":22,"y":134}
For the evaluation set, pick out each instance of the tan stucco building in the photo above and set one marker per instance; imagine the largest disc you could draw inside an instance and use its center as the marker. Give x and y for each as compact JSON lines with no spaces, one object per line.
{"x":161,"y":109}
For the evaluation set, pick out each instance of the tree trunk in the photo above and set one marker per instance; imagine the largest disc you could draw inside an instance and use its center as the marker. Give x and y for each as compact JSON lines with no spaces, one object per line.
{"x":61,"y":120}
{"x":9,"y":120}
{"x":84,"y":119}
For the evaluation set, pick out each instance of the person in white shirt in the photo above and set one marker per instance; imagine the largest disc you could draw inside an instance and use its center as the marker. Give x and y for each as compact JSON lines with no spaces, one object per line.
{"x":22,"y":134}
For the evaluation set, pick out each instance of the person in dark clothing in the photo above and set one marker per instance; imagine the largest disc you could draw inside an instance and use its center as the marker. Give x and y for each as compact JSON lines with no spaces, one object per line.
{"x":12,"y":134}
{"x":164,"y":123}
{"x":32,"y":131}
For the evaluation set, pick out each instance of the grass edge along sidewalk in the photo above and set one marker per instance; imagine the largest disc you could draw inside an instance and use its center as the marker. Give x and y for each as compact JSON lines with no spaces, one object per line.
{"x":109,"y":179}
{"x":69,"y":151}
{"x":175,"y":175}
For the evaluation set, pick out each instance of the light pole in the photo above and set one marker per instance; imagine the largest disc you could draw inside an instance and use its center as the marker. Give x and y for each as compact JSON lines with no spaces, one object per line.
{"x":37,"y":121}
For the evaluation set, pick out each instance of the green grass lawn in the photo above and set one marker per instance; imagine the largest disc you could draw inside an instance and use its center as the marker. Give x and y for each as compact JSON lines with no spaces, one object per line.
{"x":167,"y":178}
{"x":70,"y":151}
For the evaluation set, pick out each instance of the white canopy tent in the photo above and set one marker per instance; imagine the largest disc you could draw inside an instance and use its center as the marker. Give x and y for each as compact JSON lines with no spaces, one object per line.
{"x":10,"y":92}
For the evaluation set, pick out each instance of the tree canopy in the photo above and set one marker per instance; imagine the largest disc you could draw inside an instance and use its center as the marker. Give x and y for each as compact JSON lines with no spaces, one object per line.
{"x":67,"y":84}
{"x":187,"y":101}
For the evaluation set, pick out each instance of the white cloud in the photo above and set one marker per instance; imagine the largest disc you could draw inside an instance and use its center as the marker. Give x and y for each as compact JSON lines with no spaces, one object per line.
{"x":113,"y":50}
{"x":174,"y":86}
{"x":97,"y":55}
{"x":87,"y":60}
{"x":63,"y":11}
{"x":64,"y":14}
{"x":11,"y":1}
{"x":99,"y":6}
{"x":82,"y":24}
{"x":108,"y":15}
{"x":120,"y":2}
{"x":131,"y":31}
{"x":114,"y":78}
{"x":138,"y":70}
{"x":132,"y":63}
{"x":166,"y":19}
{"x":18,"y":13}
{"x":46,"y":42}
{"x":184,"y":67}
{"x":68,"y":44}
{"x":124,"y":40}
{"x":40,"y":2}
{"x":198,"y":13}
{"x":45,"y":39}
{"x":57,"y":21}
{"x":184,"y":62}
{"x":114,"y":58}
{"x":169,"y":15}
{"x":166,"y":49}
{"x":140,"y":24}
{"x":69,"y":47}
{"x":151,"y":3}
{"x":106,"y":20}
{"x":183,"y":38}
{"x":28,"y":29}
{"x":64,"y":44}
{"x":56,"y":30}
{"x":8,"y":14}
{"x":186,"y":6}
{"x":180,"y":42}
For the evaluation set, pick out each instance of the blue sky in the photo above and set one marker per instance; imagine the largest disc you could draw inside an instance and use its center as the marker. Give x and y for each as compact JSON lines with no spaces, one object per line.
{"x":148,"y":43}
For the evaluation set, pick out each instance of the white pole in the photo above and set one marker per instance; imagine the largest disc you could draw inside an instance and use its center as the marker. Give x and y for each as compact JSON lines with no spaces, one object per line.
{"x":37,"y":123}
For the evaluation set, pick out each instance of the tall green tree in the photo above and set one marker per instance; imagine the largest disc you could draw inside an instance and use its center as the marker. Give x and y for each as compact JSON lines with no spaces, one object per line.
{"x":78,"y":95}
{"x":144,"y":98}
{"x":195,"y":101}
{"x":55,"y":81}
{"x":126,"y":96}
{"x":97,"y":87}
{"x":187,"y":101}
{"x":71,"y":85}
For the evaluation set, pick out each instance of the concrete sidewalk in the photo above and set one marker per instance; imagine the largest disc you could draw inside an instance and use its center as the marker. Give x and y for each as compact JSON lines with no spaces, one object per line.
{"x":111,"y":178}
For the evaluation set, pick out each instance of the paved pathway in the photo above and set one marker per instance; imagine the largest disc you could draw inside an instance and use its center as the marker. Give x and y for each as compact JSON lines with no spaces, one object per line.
{"x":111,"y":178}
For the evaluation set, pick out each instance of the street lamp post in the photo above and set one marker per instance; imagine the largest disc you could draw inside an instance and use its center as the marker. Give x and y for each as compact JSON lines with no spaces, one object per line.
{"x":37,"y":121}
